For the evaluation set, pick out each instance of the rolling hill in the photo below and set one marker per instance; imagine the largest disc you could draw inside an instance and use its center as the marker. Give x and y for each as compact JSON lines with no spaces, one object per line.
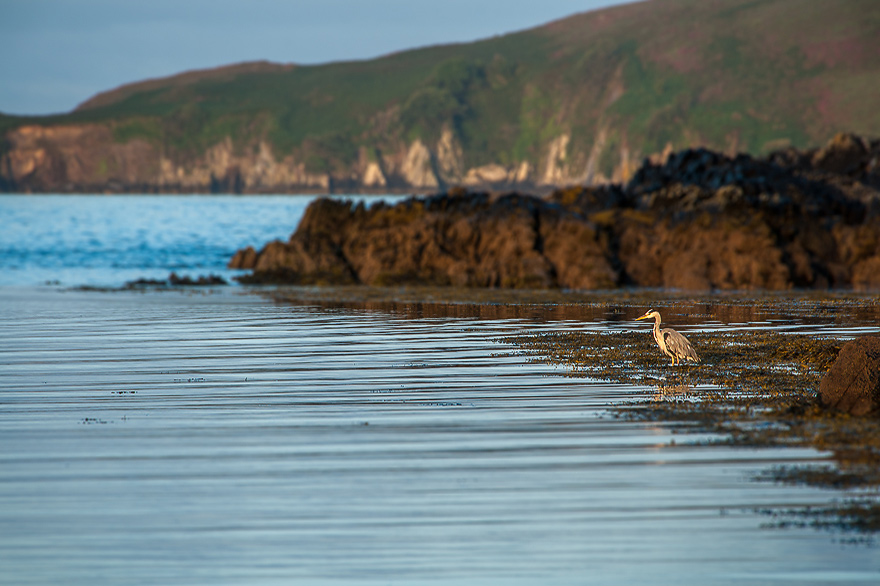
{"x":579,"y":100}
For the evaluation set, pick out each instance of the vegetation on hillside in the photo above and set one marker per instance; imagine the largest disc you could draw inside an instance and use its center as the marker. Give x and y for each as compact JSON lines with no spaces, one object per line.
{"x":734,"y":75}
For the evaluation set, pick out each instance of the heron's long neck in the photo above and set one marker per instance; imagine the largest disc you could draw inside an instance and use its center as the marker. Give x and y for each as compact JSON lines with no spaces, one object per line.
{"x":656,"y":323}
{"x":660,"y":341}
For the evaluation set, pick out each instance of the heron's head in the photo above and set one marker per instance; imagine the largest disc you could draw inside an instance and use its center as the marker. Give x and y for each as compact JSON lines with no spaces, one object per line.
{"x":648,"y":315}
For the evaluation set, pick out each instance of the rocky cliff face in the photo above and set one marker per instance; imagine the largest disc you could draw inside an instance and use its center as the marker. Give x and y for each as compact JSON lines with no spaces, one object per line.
{"x":89,"y":158}
{"x":697,"y":220}
{"x":74,"y":158}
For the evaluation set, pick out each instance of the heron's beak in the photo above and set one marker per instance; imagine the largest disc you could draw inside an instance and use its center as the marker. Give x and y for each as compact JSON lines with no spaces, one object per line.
{"x":643,"y":317}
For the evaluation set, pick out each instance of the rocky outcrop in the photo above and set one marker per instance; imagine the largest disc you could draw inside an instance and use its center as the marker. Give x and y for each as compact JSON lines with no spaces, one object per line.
{"x":853,"y":383}
{"x":450,"y":158}
{"x":697,"y":220}
{"x":555,"y":167}
{"x":459,"y":239}
{"x":373,"y":176}
{"x":222,"y":169}
{"x":417,"y":169}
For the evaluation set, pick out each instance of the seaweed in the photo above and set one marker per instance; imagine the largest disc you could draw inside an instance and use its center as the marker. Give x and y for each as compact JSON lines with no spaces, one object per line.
{"x":754,"y":387}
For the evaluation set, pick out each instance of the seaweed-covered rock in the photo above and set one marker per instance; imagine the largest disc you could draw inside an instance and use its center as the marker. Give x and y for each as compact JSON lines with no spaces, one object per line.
{"x":460,"y":239}
{"x":845,"y":154}
{"x":698,"y":220}
{"x":853,"y":383}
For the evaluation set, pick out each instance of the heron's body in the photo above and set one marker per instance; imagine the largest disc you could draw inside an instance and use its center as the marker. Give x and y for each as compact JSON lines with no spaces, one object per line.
{"x":671,"y":343}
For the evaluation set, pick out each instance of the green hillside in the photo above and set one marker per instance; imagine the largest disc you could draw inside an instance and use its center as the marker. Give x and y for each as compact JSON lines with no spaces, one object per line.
{"x":744,"y":75}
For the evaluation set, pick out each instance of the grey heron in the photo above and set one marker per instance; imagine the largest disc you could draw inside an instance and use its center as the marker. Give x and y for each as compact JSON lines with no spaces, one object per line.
{"x":671,"y":342}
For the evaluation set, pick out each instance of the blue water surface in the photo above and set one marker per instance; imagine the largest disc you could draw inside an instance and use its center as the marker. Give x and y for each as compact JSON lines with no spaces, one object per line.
{"x":101,"y":240}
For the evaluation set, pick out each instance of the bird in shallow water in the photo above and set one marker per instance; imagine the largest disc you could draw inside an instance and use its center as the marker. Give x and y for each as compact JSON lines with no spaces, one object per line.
{"x":671,"y":342}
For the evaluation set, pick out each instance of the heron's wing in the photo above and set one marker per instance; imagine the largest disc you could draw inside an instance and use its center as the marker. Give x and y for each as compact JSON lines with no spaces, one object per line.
{"x":679,"y":345}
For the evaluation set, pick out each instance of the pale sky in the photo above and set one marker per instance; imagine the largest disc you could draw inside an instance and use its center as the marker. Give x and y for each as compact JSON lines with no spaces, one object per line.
{"x":58,"y":53}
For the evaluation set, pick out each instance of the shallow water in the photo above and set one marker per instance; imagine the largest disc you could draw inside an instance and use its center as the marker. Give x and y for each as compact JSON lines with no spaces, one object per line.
{"x":219,"y":438}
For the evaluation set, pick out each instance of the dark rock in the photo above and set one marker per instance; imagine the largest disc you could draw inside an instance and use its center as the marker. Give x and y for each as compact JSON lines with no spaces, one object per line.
{"x":853,"y":383}
{"x":712,"y":253}
{"x":176,"y":281}
{"x":246,"y":258}
{"x":201,"y":281}
{"x":144,"y":283}
{"x":844,"y":154}
{"x":698,"y":220}
{"x":459,"y":239}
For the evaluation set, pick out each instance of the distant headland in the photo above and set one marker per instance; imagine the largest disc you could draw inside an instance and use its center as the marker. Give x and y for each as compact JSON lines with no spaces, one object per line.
{"x":579,"y":101}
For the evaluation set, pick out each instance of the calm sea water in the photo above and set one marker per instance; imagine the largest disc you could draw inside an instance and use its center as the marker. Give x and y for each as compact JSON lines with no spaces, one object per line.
{"x":215,"y":437}
{"x":108,"y":240}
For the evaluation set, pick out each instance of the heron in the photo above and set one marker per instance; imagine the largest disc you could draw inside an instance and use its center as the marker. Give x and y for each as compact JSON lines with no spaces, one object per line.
{"x":671,"y":342}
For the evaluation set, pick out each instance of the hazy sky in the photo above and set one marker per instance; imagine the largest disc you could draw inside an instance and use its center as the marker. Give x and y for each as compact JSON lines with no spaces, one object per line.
{"x":58,"y":53}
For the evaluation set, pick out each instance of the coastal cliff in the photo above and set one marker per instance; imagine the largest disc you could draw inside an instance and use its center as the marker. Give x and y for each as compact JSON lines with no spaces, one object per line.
{"x":578,"y":101}
{"x":89,"y":158}
{"x":697,"y":220}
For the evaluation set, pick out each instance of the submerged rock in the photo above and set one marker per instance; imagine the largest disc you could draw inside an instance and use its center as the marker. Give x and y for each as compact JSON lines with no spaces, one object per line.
{"x":201,"y":281}
{"x":174,"y":280}
{"x":853,"y":383}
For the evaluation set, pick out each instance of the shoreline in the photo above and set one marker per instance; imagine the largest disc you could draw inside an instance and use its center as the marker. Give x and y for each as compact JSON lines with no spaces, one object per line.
{"x":755,"y":388}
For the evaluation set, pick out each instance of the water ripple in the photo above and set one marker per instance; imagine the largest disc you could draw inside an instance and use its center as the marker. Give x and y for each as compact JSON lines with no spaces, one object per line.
{"x":220,"y":439}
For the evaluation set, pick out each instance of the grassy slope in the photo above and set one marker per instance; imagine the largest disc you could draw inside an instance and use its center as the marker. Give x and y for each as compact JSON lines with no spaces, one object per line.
{"x":739,"y":74}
